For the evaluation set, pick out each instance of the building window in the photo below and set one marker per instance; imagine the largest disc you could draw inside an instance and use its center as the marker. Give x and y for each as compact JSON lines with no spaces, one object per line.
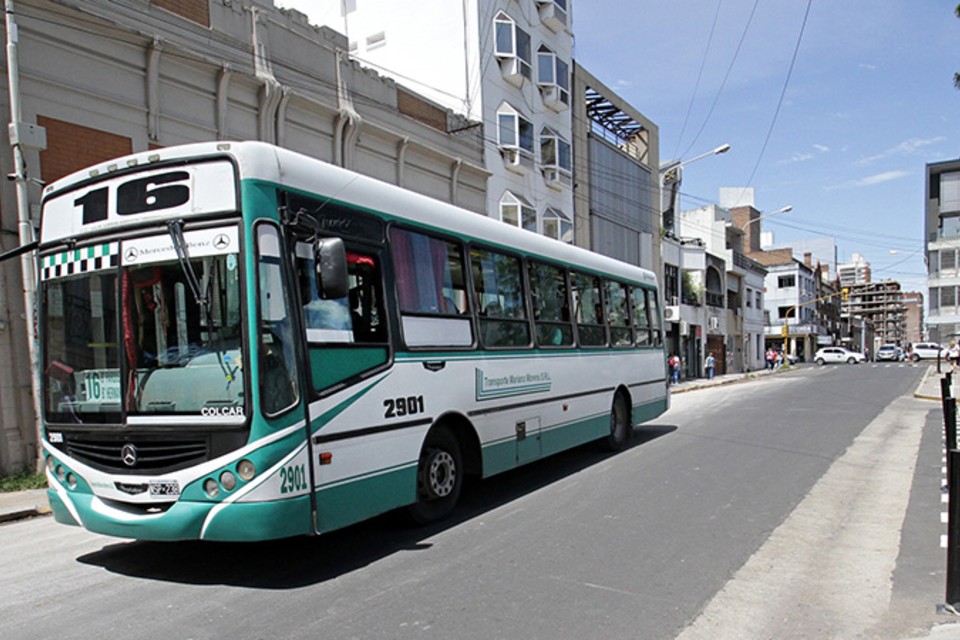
{"x":949,"y":192}
{"x":515,"y":139}
{"x":513,"y":130}
{"x":557,"y":225}
{"x":671,"y":284}
{"x":784,"y":282}
{"x":759,"y":300}
{"x":553,"y":78}
{"x":948,"y":262}
{"x":516,"y":211}
{"x":512,"y":48}
{"x":555,"y":159}
{"x":948,"y":298}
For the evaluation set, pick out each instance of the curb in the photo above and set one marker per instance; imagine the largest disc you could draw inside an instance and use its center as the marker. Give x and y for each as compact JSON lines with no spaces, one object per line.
{"x":921,"y":394}
{"x":22,"y":513}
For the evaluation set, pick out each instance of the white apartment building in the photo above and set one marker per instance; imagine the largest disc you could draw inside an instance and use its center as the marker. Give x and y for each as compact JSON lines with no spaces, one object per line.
{"x":504,"y":63}
{"x":741,"y":320}
{"x":942,"y":243}
{"x":857,"y":271}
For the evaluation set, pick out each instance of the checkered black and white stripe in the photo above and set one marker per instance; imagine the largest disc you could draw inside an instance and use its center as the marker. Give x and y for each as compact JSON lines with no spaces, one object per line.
{"x":93,"y":258}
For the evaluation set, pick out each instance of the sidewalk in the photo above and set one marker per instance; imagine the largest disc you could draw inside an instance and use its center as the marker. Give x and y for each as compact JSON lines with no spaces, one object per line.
{"x":17,"y":505}
{"x":692,"y":384}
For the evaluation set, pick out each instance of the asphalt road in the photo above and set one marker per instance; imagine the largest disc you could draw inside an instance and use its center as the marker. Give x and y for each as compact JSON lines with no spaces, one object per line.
{"x":799,"y":505}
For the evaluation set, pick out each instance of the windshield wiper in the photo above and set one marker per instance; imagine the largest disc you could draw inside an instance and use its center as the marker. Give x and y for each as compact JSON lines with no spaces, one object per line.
{"x":175,"y":227}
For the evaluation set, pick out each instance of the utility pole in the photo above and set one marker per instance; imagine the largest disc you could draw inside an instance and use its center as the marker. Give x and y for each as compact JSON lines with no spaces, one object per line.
{"x":20,"y":135}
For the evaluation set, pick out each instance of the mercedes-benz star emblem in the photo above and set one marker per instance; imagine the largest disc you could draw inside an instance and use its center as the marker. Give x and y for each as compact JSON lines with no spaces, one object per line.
{"x":132,"y":254}
{"x":129,"y":455}
{"x":221,"y":242}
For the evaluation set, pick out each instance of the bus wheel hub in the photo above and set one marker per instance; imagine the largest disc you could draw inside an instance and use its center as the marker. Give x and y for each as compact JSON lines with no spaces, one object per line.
{"x":441,"y":474}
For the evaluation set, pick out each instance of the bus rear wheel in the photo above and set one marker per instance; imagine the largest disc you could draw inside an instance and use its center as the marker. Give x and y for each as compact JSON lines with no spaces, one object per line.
{"x":620,"y":427}
{"x":439,"y":477}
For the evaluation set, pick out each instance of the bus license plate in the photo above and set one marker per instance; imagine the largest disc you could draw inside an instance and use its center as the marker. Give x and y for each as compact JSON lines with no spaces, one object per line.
{"x":164,"y":488}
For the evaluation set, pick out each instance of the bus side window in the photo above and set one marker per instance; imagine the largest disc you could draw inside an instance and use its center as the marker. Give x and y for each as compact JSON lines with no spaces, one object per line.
{"x":656,"y":332}
{"x":617,"y":299}
{"x":366,"y":298}
{"x":551,"y":305}
{"x":498,"y":287}
{"x":641,"y":321}
{"x":431,"y":287}
{"x":357,"y":317}
{"x":279,"y":383}
{"x":588,"y":310}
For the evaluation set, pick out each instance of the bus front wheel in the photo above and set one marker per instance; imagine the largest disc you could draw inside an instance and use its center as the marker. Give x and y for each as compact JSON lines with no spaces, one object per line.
{"x":439,"y":477}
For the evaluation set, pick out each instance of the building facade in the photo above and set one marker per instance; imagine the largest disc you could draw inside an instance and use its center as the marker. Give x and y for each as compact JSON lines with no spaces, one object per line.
{"x":504,"y":64}
{"x":102,"y":79}
{"x":941,"y":244}
{"x":616,"y":154}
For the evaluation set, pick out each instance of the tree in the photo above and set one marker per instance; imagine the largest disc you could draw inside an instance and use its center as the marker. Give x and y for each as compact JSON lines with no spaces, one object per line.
{"x":956,"y":76}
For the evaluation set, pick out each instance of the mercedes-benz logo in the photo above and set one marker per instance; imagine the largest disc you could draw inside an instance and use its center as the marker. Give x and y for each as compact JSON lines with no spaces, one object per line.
{"x":128,"y":455}
{"x":132,"y":254}
{"x":221,"y":242}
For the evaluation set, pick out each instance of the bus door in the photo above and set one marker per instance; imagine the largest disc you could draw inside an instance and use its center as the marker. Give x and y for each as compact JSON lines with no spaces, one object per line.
{"x":346,"y":337}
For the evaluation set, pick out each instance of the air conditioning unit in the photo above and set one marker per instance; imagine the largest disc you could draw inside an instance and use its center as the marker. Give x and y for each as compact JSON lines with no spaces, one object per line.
{"x":714,"y":323}
{"x":671,"y":313}
{"x":516,"y":160}
{"x":552,"y":15}
{"x":555,"y":97}
{"x":556,"y":179}
{"x":684,"y":328}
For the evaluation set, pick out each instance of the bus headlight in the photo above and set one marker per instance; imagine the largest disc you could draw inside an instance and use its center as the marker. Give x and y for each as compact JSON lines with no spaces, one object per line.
{"x":71,"y":481}
{"x":228,"y":481}
{"x":211,"y":487}
{"x":246,"y":470}
{"x":61,"y":473}
{"x":51,"y":464}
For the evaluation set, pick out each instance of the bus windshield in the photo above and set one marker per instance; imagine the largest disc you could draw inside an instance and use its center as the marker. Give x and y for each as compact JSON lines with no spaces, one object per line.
{"x":144,"y":339}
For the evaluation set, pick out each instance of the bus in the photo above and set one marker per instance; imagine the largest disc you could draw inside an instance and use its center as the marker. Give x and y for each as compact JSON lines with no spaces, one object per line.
{"x":242,"y":343}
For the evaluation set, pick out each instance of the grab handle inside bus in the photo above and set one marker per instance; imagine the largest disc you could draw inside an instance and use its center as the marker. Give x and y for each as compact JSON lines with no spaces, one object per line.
{"x":330,"y":258}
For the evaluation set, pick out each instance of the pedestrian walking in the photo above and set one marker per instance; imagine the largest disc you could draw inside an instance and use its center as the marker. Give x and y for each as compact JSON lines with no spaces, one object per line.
{"x":770,"y":358}
{"x":674,"y":363}
{"x":709,"y":364}
{"x":953,"y":355}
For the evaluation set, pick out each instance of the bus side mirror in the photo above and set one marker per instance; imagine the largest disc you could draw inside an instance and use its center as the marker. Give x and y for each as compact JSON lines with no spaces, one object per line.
{"x":330,"y":258}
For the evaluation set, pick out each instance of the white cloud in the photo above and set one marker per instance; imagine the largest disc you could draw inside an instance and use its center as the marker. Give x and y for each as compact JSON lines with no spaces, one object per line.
{"x":869,"y":181}
{"x":822,"y":148}
{"x":877,"y":178}
{"x":905,"y":148}
{"x":868,"y":66}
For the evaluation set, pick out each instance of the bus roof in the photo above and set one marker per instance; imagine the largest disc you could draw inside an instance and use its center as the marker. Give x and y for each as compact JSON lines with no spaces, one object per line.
{"x":262,"y":161}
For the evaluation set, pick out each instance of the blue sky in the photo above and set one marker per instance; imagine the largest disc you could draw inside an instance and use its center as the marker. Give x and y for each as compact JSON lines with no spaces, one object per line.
{"x":870,"y":100}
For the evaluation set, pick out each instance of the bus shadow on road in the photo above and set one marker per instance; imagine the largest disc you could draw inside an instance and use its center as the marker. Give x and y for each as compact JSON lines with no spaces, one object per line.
{"x":298,"y":562}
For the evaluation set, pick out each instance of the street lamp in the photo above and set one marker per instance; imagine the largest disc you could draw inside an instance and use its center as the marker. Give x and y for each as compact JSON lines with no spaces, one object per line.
{"x":785,"y":209}
{"x":671,"y":174}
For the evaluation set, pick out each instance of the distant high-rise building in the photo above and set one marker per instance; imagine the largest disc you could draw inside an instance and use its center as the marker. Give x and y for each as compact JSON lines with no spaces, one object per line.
{"x":857,"y":271}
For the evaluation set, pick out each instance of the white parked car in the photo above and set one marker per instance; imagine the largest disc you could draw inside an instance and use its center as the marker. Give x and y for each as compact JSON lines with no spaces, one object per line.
{"x":838,"y":355}
{"x":927,"y":351}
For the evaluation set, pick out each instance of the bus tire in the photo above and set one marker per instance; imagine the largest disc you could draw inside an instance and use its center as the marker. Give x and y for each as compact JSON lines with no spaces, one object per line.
{"x":439,"y":477}
{"x":620,"y":425}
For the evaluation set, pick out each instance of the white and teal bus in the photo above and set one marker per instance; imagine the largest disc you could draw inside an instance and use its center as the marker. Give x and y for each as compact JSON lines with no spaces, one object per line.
{"x":242,"y":343}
